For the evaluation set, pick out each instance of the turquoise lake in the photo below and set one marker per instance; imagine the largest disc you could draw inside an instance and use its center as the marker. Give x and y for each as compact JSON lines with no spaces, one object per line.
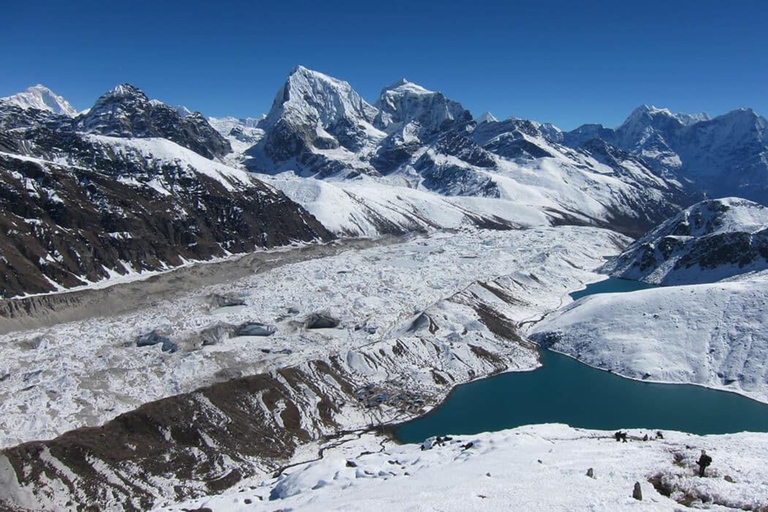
{"x":566,"y":391}
{"x":611,"y":286}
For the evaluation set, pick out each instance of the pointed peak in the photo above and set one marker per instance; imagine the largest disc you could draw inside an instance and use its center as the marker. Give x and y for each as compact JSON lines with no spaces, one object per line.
{"x":125,"y":90}
{"x":305,"y":72}
{"x":486,"y":117}
{"x":42,"y":98}
{"x":405,"y":86}
{"x":41,"y":88}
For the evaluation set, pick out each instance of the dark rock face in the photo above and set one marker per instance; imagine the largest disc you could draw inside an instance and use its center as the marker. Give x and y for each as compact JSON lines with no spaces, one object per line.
{"x":454,"y":179}
{"x":456,"y":144}
{"x":508,"y":139}
{"x":223,"y":301}
{"x":113,"y":210}
{"x":127,"y":112}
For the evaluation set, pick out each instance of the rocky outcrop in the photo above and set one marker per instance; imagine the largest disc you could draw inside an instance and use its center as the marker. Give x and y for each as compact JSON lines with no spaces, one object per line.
{"x":313,"y":113}
{"x":125,"y":111}
{"x":709,"y":241}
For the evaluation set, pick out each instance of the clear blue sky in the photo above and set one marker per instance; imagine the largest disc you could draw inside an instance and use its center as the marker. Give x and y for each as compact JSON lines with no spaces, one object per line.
{"x":567,"y":62}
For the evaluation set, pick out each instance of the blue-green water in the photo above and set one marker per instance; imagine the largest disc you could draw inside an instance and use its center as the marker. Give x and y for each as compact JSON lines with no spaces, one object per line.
{"x":566,"y":391}
{"x":611,"y":285}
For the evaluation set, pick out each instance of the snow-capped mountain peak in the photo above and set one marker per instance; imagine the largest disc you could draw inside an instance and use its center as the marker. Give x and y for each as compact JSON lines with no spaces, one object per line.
{"x":309,"y":94}
{"x":486,"y":117}
{"x":404,"y":102}
{"x":125,"y":111}
{"x":648,"y":114}
{"x":42,"y":98}
{"x":125,"y":90}
{"x":403,"y":85}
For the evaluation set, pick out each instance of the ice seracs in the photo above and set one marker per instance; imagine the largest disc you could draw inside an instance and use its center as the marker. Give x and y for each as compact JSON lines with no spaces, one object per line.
{"x":42,"y":98}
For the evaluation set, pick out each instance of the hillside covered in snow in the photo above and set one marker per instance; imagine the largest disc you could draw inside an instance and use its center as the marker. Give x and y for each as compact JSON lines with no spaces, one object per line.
{"x":709,"y":334}
{"x":705,"y":326}
{"x":372,"y":256}
{"x":707,"y":242}
{"x":539,"y":467}
{"x":125,"y":188}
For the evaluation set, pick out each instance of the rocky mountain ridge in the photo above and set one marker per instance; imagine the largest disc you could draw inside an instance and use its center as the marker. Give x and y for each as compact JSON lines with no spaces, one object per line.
{"x":126,"y":187}
{"x":725,"y":156}
{"x":320,"y":127}
{"x":709,"y":241}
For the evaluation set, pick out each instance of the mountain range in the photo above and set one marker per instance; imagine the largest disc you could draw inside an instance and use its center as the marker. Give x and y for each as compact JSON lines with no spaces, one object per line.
{"x":132,"y":184}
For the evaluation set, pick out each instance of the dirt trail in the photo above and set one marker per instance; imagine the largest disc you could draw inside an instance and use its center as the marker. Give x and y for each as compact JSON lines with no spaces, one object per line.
{"x":47,"y":310}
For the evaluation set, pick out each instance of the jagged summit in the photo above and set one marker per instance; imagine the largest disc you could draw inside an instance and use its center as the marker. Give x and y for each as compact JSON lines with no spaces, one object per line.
{"x":486,"y":117}
{"x":42,"y":98}
{"x":404,"y":85}
{"x":125,"y":90}
{"x":645,"y":113}
{"x":308,"y":94}
{"x":125,"y":111}
{"x":404,"y":102}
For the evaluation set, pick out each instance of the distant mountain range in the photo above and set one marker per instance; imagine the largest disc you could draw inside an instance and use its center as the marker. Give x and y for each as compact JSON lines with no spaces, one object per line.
{"x":154,"y":185}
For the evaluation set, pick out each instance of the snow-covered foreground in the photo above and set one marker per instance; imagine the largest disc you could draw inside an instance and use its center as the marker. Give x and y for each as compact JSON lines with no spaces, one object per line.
{"x":538,"y":467}
{"x":708,"y":334}
{"x":86,"y":372}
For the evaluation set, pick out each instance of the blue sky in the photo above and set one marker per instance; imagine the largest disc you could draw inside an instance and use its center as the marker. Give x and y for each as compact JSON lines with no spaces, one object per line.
{"x":564,"y":62}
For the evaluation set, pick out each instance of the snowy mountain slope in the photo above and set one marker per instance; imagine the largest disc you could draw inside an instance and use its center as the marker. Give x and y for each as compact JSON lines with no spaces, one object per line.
{"x":709,"y":334}
{"x":538,"y":467}
{"x":707,"y":242}
{"x":371,"y":207}
{"x":80,"y":208}
{"x":725,"y":156}
{"x":41,"y":98}
{"x":242,"y":133}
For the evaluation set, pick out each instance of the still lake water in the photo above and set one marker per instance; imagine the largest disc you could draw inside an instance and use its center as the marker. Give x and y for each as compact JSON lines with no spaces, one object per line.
{"x":566,"y":391}
{"x":611,"y":285}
